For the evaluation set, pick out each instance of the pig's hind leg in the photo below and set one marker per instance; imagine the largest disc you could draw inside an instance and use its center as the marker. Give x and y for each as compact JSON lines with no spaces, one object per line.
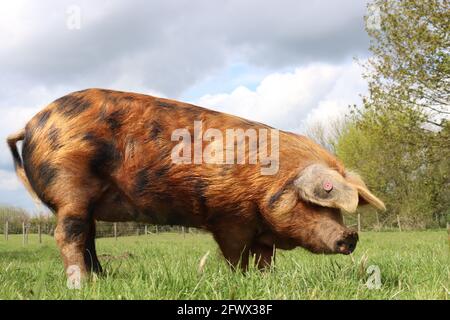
{"x":75,"y":230}
{"x":90,"y":254}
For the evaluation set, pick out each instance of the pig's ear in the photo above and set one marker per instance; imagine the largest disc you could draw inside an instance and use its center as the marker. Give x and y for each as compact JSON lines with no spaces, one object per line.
{"x":324,"y":186}
{"x":366,"y":197}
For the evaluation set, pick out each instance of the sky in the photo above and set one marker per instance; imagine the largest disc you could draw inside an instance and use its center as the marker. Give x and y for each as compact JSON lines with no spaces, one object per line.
{"x":285,"y":63}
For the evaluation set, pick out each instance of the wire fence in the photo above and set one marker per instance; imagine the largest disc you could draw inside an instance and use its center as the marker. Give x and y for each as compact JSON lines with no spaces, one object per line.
{"x":103,"y":230}
{"x":108,"y":230}
{"x":45,"y":225}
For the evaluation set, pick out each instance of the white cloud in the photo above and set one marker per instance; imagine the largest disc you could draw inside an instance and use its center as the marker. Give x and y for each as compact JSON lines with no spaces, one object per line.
{"x":168,"y":45}
{"x":8,"y":181}
{"x":292,"y":100}
{"x":347,"y":90}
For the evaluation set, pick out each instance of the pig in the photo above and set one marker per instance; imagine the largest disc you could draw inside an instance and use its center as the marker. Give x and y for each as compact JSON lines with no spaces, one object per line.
{"x":104,"y":155}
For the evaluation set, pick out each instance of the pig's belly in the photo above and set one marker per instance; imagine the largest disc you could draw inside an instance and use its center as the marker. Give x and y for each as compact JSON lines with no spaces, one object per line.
{"x":114,"y":207}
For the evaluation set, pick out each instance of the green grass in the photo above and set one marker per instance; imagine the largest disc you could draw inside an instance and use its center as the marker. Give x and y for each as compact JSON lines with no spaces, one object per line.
{"x":414,"y":265}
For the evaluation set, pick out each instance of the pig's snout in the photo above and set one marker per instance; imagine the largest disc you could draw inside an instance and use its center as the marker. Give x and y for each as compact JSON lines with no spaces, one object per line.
{"x":347,"y":243}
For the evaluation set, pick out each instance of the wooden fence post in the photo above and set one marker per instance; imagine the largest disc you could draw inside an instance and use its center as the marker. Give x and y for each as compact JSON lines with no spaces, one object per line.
{"x":145,"y":230}
{"x":115,"y":230}
{"x":398,"y":222}
{"x":137,"y":230}
{"x":6,"y":230}
{"x":359,"y":222}
{"x":378,"y":221}
{"x":183,"y":230}
{"x":448,"y":231}
{"x":23,"y":233}
{"x":39,"y":233}
{"x":157,"y":229}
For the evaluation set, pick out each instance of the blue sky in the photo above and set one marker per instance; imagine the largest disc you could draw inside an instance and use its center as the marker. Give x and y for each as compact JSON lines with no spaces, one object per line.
{"x":286,"y":63}
{"x":226,"y":80}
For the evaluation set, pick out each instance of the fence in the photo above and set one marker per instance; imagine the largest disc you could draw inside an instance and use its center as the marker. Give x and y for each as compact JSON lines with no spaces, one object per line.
{"x":121,"y":229}
{"x":373,"y":222}
{"x":103,"y":230}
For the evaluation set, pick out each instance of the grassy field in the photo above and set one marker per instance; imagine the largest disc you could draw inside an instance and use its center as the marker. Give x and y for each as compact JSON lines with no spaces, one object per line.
{"x":413,"y":265}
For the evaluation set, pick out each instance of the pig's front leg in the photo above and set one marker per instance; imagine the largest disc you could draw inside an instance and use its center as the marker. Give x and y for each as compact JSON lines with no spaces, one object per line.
{"x":264,"y":255}
{"x":235,"y":240}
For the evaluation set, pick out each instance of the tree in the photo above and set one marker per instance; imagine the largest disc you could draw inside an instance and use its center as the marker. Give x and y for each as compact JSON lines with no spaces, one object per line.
{"x":327,"y":133}
{"x":410,"y":66}
{"x":399,"y":140}
{"x":396,"y":170}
